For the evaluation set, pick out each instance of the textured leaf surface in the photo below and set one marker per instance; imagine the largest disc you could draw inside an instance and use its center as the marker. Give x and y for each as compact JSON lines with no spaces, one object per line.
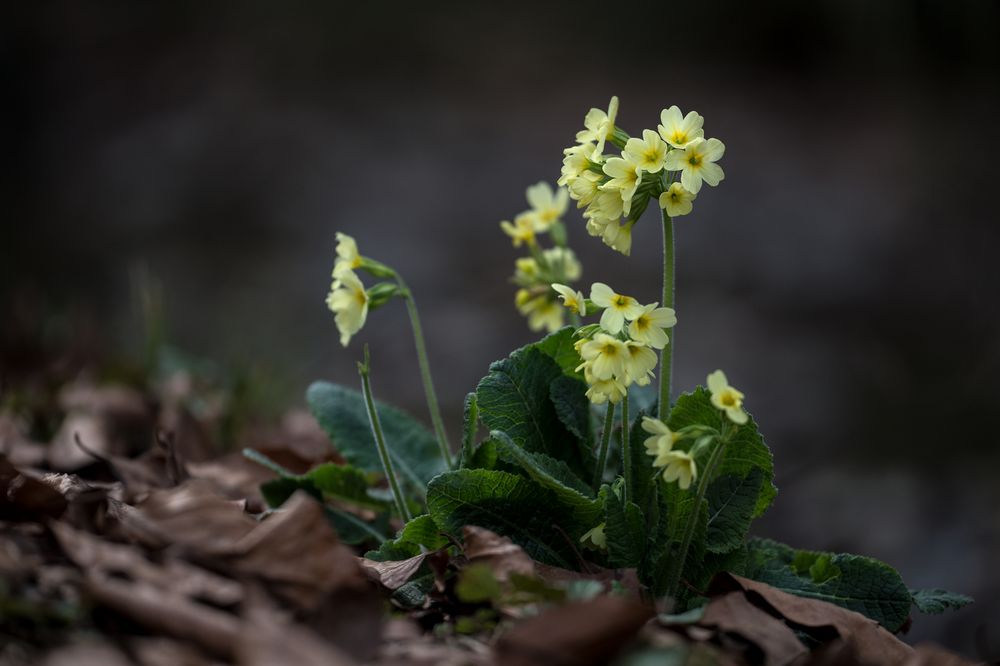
{"x":643,"y":473}
{"x":934,"y":601}
{"x":569,"y":397}
{"x":413,"y":449}
{"x":745,"y":451}
{"x":530,"y":515}
{"x":514,"y":398}
{"x":325,"y":481}
{"x":625,"y":529}
{"x":863,"y":584}
{"x":559,"y":347}
{"x":731,"y":502}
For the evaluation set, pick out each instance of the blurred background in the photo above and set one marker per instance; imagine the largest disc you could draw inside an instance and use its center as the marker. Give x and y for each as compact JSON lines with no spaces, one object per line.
{"x":844,"y":274}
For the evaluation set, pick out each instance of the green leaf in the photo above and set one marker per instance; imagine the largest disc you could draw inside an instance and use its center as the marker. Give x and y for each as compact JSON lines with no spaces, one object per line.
{"x":413,"y":449}
{"x":861,"y":584}
{"x":550,"y":473}
{"x":510,"y":505}
{"x":477,"y":584}
{"x":471,"y":426}
{"x":351,"y":529}
{"x":625,"y":529}
{"x":732,"y":499}
{"x":643,"y":473}
{"x":934,"y":601}
{"x":745,"y":451}
{"x":559,"y":346}
{"x":514,"y":398}
{"x":674,"y":510}
{"x":420,"y":531}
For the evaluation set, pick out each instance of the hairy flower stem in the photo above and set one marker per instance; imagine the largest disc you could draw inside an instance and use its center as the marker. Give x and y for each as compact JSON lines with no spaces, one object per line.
{"x":667,"y":301}
{"x":677,"y":567}
{"x":383,"y":451}
{"x":425,"y":373}
{"x":602,"y":456}
{"x":626,"y":449}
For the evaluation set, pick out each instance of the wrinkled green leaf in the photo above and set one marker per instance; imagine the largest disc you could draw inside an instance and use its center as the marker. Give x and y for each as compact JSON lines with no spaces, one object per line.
{"x":731,"y":502}
{"x":863,"y":584}
{"x":510,"y":505}
{"x":469,"y":429}
{"x":625,"y":529}
{"x":935,"y":601}
{"x":569,"y":397}
{"x":514,"y":398}
{"x":325,"y":481}
{"x":413,"y":449}
{"x":643,"y":472}
{"x":559,"y":347}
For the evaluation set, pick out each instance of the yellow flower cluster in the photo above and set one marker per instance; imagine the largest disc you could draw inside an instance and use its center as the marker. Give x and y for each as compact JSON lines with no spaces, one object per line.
{"x":668,"y":165}
{"x":536,"y":273}
{"x":616,"y":355}
{"x":677,"y":465}
{"x":347,"y":299}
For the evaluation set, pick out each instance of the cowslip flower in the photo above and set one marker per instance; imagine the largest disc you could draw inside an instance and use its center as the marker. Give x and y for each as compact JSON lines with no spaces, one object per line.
{"x":617,"y":307}
{"x":678,"y":130}
{"x":600,"y":391}
{"x":639,"y":363}
{"x":584,"y":188}
{"x":647,"y":327}
{"x":604,"y":356}
{"x":575,"y":163}
{"x":526,"y":270}
{"x":625,"y":179}
{"x":648,"y":153}
{"x":562,"y":261}
{"x":697,"y":163}
{"x":542,"y":313}
{"x":607,"y":206}
{"x":547,"y":205}
{"x":661,"y":442}
{"x":600,"y":126}
{"x":618,"y":236}
{"x":522,"y":231}
{"x":348,"y":257}
{"x":572,"y":300}
{"x":676,"y":200}
{"x":348,"y":300}
{"x":680,"y":467}
{"x":726,"y":398}
{"x":595,"y":537}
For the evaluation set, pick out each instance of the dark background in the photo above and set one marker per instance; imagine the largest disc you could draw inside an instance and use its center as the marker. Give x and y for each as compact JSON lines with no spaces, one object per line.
{"x":844,"y":273}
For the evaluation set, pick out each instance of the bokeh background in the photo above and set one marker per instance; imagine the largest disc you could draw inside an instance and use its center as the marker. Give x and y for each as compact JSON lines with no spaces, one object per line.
{"x":844,"y":274}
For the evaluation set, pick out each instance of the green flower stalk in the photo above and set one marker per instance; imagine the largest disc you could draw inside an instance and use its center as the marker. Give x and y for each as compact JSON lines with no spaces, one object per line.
{"x":667,"y":301}
{"x":364,"y":368}
{"x":602,"y":455}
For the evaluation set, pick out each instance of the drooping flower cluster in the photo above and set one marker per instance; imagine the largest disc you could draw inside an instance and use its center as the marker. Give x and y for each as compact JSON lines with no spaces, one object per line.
{"x":534,"y":274}
{"x":680,"y":465}
{"x":619,"y":351}
{"x":668,"y":165}
{"x":348,"y":299}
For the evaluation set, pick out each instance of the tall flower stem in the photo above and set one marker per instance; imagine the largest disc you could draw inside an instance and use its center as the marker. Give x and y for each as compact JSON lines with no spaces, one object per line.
{"x":425,"y":372}
{"x":667,"y":301}
{"x":677,"y":567}
{"x":383,"y":451}
{"x":626,"y":449}
{"x":602,"y":456}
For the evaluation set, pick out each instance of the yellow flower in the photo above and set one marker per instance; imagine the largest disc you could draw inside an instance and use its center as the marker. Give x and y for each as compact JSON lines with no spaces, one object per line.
{"x":595,"y":537}
{"x":563,"y":262}
{"x":618,"y":308}
{"x":572,"y":300}
{"x":546,"y":206}
{"x":605,"y":390}
{"x":606,"y":207}
{"x":576,"y":163}
{"x":347,"y":254}
{"x":680,"y":467}
{"x":697,"y":163}
{"x":726,"y":398}
{"x":676,"y":200}
{"x":625,"y":178}
{"x":525,"y":270}
{"x":600,"y":126}
{"x":540,"y":311}
{"x":661,"y":442}
{"x":639,"y":363}
{"x":604,"y":356}
{"x":648,"y":325}
{"x":647,"y":153}
{"x":522,"y":231}
{"x":678,"y":130}
{"x":584,"y":188}
{"x":618,"y":236}
{"x":348,"y":300}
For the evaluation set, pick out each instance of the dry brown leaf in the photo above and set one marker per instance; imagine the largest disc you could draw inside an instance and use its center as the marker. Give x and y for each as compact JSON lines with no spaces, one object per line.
{"x":23,"y":498}
{"x":268,"y":639}
{"x":735,"y":614}
{"x":501,"y":554}
{"x":871,"y":642}
{"x":394,"y":574}
{"x":90,"y":652}
{"x":578,"y":633}
{"x":926,"y":654}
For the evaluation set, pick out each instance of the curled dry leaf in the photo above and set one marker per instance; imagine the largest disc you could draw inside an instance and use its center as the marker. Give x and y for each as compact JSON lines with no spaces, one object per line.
{"x":577,"y":634}
{"x":733,"y":613}
{"x":392,"y":574}
{"x":24,"y":498}
{"x":499,"y":553}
